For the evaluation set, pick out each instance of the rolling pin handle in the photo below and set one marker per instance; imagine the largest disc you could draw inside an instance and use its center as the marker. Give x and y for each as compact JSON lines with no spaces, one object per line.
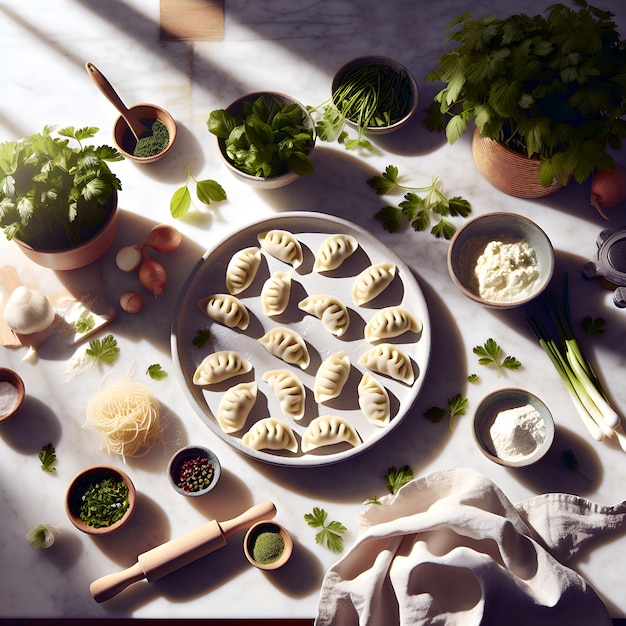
{"x":110,"y":585}
{"x":257,"y":513}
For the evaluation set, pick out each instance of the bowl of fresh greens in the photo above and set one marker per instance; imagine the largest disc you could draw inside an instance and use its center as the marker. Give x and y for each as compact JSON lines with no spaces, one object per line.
{"x":265,"y":138}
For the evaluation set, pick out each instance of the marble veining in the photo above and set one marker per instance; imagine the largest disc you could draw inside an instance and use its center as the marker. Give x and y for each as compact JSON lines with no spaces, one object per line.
{"x":293,"y":47}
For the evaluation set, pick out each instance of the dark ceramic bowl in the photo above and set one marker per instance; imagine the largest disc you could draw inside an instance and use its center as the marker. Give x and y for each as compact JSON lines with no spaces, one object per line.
{"x":188,"y":454}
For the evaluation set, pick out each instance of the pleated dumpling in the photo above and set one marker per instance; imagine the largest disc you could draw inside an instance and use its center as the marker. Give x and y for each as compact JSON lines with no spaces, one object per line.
{"x":235,"y":406}
{"x":286,"y":344}
{"x":372,"y":281}
{"x":270,"y":433}
{"x":389,"y":360}
{"x":241,"y":269}
{"x":328,"y":430}
{"x":391,"y":321}
{"x":373,"y":400}
{"x":330,"y":310}
{"x":288,"y":390}
{"x":331,"y":376}
{"x":282,"y":245}
{"x":226,"y":309}
{"x":220,"y":366}
{"x":275,"y":293}
{"x":333,"y":252}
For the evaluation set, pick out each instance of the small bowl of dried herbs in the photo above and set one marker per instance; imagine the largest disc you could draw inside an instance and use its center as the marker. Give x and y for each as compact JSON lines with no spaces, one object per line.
{"x":194,"y":471}
{"x":267,"y":545}
{"x":100,"y":499}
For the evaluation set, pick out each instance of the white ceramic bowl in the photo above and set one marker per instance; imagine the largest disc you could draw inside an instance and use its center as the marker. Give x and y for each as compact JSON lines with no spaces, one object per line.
{"x":502,"y":400}
{"x":470,"y":240}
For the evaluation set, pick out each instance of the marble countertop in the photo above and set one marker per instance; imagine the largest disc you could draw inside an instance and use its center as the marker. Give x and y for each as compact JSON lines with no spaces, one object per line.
{"x":294,"y":47}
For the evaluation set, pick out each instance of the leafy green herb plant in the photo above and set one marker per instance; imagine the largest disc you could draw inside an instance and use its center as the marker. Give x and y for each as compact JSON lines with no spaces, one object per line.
{"x":420,"y":207}
{"x":490,"y":354}
{"x":549,"y":86}
{"x":207,"y":191}
{"x":330,"y":533}
{"x":52,"y":195}
{"x":267,"y":138}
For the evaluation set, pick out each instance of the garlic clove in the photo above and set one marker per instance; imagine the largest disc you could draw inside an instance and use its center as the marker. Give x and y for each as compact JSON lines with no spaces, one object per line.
{"x":131,"y":302}
{"x":28,"y":311}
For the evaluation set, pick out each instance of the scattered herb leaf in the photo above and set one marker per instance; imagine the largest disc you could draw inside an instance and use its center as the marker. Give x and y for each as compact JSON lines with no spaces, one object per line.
{"x":202,"y":337}
{"x":396,"y":478}
{"x":435,"y":414}
{"x":457,"y":405}
{"x":84,"y":323}
{"x":207,"y":191}
{"x":593,"y":326}
{"x":105,"y":350}
{"x":330,"y":533}
{"x":156,"y":372}
{"x":490,"y":353}
{"x":569,"y":459}
{"x":48,"y":458}
{"x":41,"y":536}
{"x":372,"y":500}
{"x":473,"y":378}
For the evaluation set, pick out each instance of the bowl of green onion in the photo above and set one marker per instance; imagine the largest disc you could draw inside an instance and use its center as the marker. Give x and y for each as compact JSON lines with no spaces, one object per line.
{"x":376,"y":94}
{"x":100,"y":499}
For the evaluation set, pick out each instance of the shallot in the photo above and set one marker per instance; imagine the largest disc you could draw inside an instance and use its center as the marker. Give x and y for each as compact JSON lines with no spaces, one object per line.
{"x":163,"y":238}
{"x":608,"y":189}
{"x":128,"y":258}
{"x":131,"y":301}
{"x":152,"y":275}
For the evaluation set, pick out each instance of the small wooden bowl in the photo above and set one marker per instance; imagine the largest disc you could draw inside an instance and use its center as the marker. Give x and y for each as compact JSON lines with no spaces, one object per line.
{"x":267,"y":526}
{"x":148,"y":114}
{"x":12,"y":378}
{"x":82,"y":482}
{"x":185,"y":454}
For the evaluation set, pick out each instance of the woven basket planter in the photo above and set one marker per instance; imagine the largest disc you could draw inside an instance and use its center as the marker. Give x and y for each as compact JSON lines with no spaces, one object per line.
{"x":509,"y":171}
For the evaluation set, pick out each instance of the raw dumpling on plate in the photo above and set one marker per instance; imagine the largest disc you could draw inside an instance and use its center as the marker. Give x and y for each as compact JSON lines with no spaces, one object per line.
{"x":289,"y":392}
{"x":270,"y":433}
{"x":372,"y":281}
{"x":220,"y":366}
{"x":330,"y":310}
{"x":389,"y":360}
{"x":275,"y":293}
{"x":373,"y":400}
{"x":282,"y":245}
{"x":392,"y":321}
{"x":331,"y":376}
{"x":242,"y":269}
{"x":328,"y":430}
{"x":286,"y":344}
{"x":235,"y":406}
{"x":333,"y":252}
{"x":226,"y":309}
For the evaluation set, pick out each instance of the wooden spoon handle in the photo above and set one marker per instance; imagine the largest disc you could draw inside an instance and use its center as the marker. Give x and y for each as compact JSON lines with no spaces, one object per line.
{"x":107,"y":90}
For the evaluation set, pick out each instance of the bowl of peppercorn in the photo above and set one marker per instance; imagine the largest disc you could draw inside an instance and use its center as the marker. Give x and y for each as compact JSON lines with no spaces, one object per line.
{"x":267,"y":545}
{"x":100,"y":499}
{"x":194,"y":471}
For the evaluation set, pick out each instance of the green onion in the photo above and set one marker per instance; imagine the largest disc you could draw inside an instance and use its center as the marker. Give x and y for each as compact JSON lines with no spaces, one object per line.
{"x":582,"y":383}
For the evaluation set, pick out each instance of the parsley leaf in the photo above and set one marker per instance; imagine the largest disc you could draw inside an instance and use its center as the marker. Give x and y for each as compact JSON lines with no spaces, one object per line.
{"x":396,"y":478}
{"x":473,"y":378}
{"x":156,"y":372}
{"x":84,"y":323}
{"x":372,"y":500}
{"x":457,"y":405}
{"x":330,"y":533}
{"x":490,"y":353}
{"x":207,"y":191}
{"x":593,"y":326}
{"x":48,"y":458}
{"x":201,"y":338}
{"x":435,"y":414}
{"x":569,"y":459}
{"x":104,"y":350}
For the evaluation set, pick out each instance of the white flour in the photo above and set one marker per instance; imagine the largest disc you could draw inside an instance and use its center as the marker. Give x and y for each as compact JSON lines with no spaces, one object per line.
{"x":506,"y":271}
{"x":516,"y":433}
{"x":8,"y":398}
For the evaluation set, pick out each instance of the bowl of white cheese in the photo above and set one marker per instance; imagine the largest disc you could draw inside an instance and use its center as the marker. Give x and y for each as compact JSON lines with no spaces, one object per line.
{"x":501,"y":260}
{"x":513,"y":427}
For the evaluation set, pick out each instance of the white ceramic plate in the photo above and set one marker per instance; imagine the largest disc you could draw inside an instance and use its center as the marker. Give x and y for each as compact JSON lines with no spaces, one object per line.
{"x":311,"y":229}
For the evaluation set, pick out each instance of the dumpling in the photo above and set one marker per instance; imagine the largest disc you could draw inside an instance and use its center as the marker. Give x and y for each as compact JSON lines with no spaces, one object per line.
{"x":373,"y":400}
{"x":328,"y":430}
{"x":391,"y":321}
{"x":241,"y":269}
{"x":389,"y":360}
{"x":372,"y":281}
{"x":287,"y":345}
{"x":333,"y":252}
{"x":270,"y":433}
{"x":226,"y":310}
{"x":331,"y":376}
{"x":330,"y":310}
{"x":282,"y":245}
{"x":220,"y":366}
{"x":275,"y":293}
{"x":289,"y":392}
{"x":235,"y":406}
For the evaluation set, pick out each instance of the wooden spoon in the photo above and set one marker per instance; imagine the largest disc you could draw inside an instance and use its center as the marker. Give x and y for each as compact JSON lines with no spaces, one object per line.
{"x":138,"y":129}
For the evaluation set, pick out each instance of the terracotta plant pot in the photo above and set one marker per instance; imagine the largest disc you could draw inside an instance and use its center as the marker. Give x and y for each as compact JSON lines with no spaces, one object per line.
{"x":509,"y":171}
{"x":77,"y":256}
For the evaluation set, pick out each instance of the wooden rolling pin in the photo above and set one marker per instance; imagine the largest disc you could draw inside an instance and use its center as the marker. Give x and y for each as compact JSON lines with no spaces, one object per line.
{"x":177,"y":553}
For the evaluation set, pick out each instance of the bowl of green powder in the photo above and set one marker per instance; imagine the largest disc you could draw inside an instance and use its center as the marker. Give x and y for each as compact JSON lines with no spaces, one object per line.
{"x":267,"y":545}
{"x":153,"y":145}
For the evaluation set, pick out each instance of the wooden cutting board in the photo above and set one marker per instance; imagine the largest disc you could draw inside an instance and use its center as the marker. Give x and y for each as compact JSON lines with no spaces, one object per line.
{"x":191,"y":20}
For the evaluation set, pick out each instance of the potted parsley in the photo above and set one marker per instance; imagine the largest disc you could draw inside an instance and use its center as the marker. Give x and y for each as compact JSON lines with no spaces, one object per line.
{"x":59,"y":201}
{"x":548,"y":87}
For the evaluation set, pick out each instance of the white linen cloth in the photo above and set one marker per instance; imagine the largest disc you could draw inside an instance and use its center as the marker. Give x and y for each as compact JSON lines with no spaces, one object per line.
{"x":450,"y":549}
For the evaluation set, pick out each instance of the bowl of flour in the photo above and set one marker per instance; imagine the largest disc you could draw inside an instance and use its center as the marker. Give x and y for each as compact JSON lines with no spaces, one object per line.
{"x":513,"y":427}
{"x":501,"y":260}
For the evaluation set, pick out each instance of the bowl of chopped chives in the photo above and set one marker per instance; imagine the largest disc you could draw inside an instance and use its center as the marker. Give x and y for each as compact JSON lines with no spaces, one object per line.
{"x":194,"y":471}
{"x":100,"y":499}
{"x":267,"y":545}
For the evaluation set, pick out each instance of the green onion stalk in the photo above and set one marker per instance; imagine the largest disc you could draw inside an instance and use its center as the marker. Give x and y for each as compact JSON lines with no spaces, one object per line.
{"x":580,"y":380}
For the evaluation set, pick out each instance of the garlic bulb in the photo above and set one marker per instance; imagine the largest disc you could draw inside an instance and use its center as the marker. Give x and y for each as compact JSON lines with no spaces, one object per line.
{"x":28,"y":311}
